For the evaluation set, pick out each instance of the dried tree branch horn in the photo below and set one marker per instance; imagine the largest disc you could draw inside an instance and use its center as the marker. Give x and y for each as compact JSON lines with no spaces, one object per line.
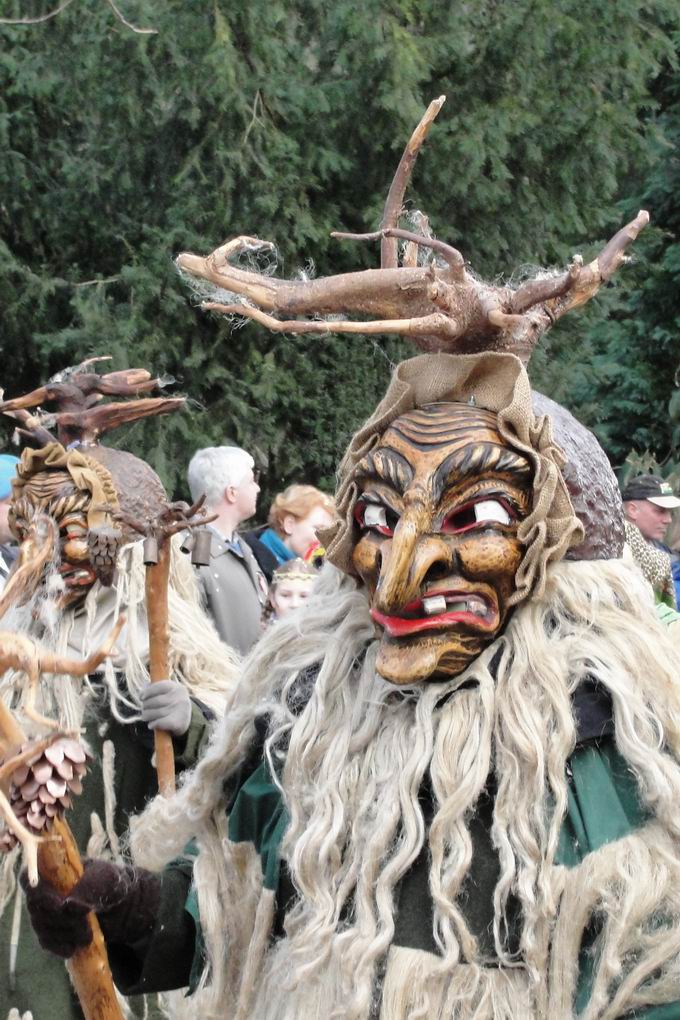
{"x":441,"y":307}
{"x":80,"y":416}
{"x":395,"y":196}
{"x":32,"y":427}
{"x":450,"y":255}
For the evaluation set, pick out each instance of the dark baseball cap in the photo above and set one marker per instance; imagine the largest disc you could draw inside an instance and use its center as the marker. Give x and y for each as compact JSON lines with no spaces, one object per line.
{"x":654,"y":489}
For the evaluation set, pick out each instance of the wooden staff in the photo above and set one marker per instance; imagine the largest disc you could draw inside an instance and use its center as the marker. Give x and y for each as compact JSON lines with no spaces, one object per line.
{"x":157,"y":579}
{"x":59,"y":862}
{"x":158,"y":532}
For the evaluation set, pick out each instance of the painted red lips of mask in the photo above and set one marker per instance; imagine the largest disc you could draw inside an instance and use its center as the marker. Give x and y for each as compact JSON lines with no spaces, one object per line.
{"x":472,"y":609}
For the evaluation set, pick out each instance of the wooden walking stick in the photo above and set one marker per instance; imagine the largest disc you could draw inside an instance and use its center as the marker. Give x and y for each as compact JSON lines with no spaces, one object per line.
{"x":37,"y":780}
{"x":158,"y":532}
{"x":157,"y":561}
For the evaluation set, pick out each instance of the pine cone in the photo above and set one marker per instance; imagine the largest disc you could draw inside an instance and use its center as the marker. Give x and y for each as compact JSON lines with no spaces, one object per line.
{"x":103,"y":545}
{"x":41,"y":789}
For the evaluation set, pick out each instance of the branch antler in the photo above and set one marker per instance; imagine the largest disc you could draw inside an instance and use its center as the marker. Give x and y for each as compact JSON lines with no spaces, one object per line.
{"x":77,"y":392}
{"x":26,"y":811}
{"x":395,"y":196}
{"x":440,"y":306}
{"x":35,"y":550}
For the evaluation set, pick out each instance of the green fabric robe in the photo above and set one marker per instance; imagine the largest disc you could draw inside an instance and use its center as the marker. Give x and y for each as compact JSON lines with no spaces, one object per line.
{"x":602,"y":806}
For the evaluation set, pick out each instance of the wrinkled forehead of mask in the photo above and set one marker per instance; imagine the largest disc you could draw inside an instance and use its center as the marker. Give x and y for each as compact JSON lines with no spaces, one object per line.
{"x":439,"y":444}
{"x":496,"y":383}
{"x":55,"y":481}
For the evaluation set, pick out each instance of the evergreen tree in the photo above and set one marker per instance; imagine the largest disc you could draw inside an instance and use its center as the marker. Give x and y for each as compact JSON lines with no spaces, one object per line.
{"x":622,"y":374}
{"x":286,"y":120}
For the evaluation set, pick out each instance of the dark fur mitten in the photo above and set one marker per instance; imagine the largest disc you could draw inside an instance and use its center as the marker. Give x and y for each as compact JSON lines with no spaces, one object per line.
{"x":125,"y":900}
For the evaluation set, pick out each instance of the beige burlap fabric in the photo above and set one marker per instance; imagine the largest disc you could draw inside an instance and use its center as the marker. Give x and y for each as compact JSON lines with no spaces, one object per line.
{"x":499,"y":383}
{"x":87,"y":474}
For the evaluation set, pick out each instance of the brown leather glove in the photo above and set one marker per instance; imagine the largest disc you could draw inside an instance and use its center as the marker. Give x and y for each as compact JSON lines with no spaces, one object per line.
{"x":125,"y":900}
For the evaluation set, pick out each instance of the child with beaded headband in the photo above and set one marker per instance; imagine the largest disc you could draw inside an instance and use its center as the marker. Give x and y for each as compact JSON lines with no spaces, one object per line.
{"x":290,"y":587}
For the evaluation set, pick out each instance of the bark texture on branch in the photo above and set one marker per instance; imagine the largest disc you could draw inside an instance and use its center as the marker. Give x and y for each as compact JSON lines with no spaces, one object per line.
{"x":395,"y":196}
{"x":157,"y":577}
{"x":80,"y":415}
{"x":59,"y":863}
{"x":440,"y":306}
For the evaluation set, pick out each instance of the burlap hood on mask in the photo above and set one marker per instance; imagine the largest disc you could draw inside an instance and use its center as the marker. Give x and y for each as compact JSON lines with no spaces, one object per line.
{"x":87,"y":474}
{"x":498,"y":383}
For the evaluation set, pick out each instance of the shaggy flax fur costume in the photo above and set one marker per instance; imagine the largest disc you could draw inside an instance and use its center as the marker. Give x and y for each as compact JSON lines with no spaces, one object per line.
{"x":366,"y":782}
{"x":357,"y":755}
{"x":110,"y":711}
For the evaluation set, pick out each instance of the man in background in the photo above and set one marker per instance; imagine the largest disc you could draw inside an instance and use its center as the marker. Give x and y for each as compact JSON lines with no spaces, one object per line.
{"x":234,"y":586}
{"x":8,"y":549}
{"x":647,"y":503}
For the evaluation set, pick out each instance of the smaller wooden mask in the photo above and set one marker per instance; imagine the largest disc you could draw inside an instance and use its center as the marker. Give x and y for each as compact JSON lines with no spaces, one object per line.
{"x":440,"y":501}
{"x":78,"y":489}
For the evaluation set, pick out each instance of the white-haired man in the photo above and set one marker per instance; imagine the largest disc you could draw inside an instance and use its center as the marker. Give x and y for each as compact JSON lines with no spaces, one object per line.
{"x":235,"y":588}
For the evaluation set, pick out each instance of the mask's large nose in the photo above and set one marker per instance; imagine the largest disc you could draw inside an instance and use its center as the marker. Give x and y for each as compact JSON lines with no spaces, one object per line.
{"x":407,"y":560}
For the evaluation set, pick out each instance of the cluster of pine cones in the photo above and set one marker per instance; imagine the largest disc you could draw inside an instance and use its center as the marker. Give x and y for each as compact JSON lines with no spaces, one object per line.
{"x":41,"y":789}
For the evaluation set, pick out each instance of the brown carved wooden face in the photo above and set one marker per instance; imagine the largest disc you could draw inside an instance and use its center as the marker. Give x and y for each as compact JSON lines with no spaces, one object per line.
{"x":440,"y":501}
{"x":55,"y":494}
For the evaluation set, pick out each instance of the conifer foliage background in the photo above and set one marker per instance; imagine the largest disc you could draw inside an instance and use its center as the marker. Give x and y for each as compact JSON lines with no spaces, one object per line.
{"x":286,"y":119}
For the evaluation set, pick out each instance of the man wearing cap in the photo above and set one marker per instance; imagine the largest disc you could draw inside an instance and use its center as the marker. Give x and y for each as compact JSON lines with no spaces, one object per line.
{"x":647,"y":504}
{"x":8,"y":550}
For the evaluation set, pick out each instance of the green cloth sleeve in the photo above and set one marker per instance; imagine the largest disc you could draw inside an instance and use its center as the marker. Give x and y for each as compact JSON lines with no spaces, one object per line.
{"x":603,"y":806}
{"x":603,"y":802}
{"x":162,"y":960}
{"x":258,"y":816}
{"x":190,"y":746}
{"x":173,"y":955}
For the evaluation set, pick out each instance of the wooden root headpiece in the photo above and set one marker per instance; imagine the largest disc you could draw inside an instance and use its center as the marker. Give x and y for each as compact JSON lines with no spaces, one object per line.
{"x":441,"y":306}
{"x":80,"y":418}
{"x":72,"y":472}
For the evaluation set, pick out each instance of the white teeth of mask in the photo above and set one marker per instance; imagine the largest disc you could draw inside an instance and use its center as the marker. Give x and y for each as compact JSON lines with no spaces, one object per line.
{"x":375,"y":516}
{"x":434,"y":604}
{"x":473,"y":605}
{"x":491,"y":510}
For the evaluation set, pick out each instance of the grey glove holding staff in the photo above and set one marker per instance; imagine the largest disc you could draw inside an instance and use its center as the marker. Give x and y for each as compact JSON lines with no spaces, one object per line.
{"x":166,"y":705}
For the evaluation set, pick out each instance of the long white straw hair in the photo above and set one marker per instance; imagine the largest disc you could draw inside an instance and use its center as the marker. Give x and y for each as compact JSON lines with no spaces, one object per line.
{"x":204,"y":664}
{"x":352,"y":753}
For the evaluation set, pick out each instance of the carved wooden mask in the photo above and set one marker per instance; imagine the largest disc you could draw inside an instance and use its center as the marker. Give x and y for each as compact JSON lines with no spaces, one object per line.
{"x":440,"y":500}
{"x":74,"y":487}
{"x":55,"y":494}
